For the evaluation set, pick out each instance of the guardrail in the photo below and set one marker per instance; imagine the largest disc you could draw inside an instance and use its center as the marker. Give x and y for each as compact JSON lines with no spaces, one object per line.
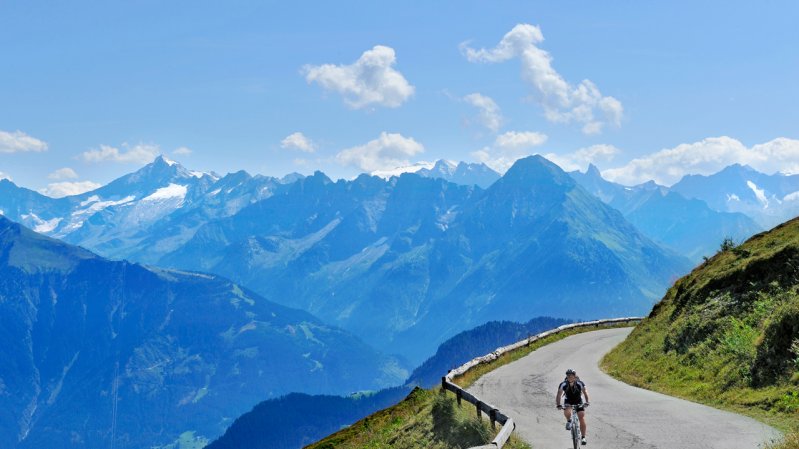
{"x":494,"y":414}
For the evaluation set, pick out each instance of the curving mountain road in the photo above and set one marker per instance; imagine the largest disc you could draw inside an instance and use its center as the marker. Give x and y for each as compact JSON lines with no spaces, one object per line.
{"x":620,"y":416}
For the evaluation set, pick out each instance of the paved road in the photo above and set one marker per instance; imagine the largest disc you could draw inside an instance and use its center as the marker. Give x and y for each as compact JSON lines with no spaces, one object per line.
{"x":620,"y":416}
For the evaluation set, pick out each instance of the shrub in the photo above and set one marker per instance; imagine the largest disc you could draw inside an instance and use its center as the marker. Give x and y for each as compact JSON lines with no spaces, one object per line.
{"x":775,"y":353}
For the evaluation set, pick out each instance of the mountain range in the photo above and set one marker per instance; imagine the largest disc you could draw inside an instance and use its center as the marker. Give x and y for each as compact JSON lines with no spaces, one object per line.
{"x":385,"y":257}
{"x":99,"y":353}
{"x":142,"y":215}
{"x":768,"y":199}
{"x":390,"y":259}
{"x":687,"y":225}
{"x":462,"y":173}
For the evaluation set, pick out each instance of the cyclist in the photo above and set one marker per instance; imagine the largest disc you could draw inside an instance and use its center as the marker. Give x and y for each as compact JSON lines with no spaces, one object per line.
{"x":574,"y":389}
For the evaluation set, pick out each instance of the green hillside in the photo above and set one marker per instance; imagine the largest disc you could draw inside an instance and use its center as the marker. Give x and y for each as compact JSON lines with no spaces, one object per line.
{"x":426,"y":419}
{"x":727,"y":334}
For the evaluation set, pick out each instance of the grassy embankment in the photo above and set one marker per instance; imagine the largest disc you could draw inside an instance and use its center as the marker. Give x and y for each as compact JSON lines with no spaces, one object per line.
{"x":727,"y":334}
{"x":431,"y":418}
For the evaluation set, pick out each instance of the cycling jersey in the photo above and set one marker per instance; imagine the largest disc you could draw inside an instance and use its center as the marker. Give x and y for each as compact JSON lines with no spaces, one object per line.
{"x":574,"y":392}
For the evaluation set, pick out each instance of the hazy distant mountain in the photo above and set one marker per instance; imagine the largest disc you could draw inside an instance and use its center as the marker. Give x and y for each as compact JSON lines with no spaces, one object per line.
{"x":408,"y":262}
{"x":100,"y":354}
{"x":476,"y":342}
{"x":296,"y":420}
{"x":461,"y":173}
{"x":769,"y":199}
{"x":688,"y":226}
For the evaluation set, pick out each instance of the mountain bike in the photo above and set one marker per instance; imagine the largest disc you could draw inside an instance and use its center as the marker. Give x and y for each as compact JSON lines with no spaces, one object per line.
{"x":575,"y":423}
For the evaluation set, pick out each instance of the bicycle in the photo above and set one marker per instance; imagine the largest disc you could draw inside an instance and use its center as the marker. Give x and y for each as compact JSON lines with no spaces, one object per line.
{"x":575,"y":423}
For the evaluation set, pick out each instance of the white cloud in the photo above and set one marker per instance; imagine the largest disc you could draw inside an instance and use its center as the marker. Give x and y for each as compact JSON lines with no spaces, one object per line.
{"x":708,"y":156}
{"x":562,"y":102}
{"x":579,"y":160}
{"x":63,"y":173}
{"x":62,"y":189}
{"x":387,"y":151}
{"x":490,"y":115}
{"x":298,"y":141}
{"x":141,"y":153}
{"x":182,"y":151}
{"x":4,"y":176}
{"x":370,"y":80}
{"x":508,"y":148}
{"x":520,"y":139}
{"x":18,"y":141}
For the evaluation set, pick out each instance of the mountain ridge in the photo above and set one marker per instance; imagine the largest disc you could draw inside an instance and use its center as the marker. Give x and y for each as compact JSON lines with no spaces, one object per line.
{"x":166,"y":351}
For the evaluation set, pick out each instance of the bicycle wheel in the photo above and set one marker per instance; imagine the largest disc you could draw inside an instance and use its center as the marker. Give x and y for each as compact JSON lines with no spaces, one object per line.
{"x":576,"y":432}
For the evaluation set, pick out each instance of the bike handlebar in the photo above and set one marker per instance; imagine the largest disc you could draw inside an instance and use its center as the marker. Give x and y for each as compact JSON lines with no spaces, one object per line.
{"x":584,"y":404}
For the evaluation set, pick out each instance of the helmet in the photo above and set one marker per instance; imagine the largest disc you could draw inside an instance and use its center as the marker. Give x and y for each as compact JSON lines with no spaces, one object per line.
{"x":570,"y":371}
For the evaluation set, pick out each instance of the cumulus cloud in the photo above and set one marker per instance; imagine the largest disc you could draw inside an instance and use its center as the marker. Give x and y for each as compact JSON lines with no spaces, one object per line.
{"x":4,"y":176}
{"x":63,"y":173}
{"x":508,"y":148}
{"x":141,"y":153}
{"x":371,"y":80}
{"x":520,"y":139}
{"x":18,"y":141}
{"x":66,"y":188}
{"x":562,"y":102}
{"x":298,"y":141}
{"x":387,"y":151}
{"x":708,"y":156}
{"x":490,"y":115}
{"x":579,"y":160}
{"x":182,"y":151}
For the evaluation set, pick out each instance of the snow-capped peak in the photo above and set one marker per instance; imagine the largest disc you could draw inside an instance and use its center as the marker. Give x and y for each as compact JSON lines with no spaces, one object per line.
{"x":168,"y":161}
{"x":386,"y":174}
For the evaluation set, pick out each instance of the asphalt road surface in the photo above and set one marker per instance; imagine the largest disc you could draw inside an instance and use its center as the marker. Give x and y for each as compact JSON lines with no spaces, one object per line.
{"x":620,"y":416}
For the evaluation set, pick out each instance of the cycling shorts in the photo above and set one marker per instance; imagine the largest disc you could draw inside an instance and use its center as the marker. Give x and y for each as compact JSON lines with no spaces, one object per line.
{"x":580,"y":407}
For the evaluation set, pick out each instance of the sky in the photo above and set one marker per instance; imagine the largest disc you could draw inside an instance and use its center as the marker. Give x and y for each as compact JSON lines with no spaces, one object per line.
{"x":90,"y":91}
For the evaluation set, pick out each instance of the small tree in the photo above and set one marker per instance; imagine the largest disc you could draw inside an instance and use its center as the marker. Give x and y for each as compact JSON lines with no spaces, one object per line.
{"x":727,"y":244}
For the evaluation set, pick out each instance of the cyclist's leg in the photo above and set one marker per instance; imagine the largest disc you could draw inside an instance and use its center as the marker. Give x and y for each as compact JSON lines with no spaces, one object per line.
{"x":583,"y":426}
{"x":567,"y":412}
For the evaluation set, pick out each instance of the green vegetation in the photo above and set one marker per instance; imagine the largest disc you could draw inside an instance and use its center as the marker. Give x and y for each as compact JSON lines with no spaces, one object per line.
{"x":727,"y":334}
{"x":425,"y":419}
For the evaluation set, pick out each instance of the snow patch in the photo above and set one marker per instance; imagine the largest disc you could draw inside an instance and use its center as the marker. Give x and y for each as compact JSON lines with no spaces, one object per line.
{"x":80,"y":215}
{"x":168,"y":161}
{"x":42,"y":226}
{"x":215,"y":192}
{"x":732,"y":197}
{"x":198,"y":174}
{"x":89,"y":200}
{"x":387,"y":174}
{"x":168,"y":192}
{"x":760,"y":194}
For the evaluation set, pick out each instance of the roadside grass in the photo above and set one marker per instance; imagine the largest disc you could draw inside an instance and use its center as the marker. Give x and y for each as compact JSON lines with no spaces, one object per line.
{"x":727,"y":334}
{"x":704,"y":378}
{"x":426,"y":419}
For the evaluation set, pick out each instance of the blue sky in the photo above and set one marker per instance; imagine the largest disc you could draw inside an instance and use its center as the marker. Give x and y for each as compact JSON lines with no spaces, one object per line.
{"x":97,"y":87}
